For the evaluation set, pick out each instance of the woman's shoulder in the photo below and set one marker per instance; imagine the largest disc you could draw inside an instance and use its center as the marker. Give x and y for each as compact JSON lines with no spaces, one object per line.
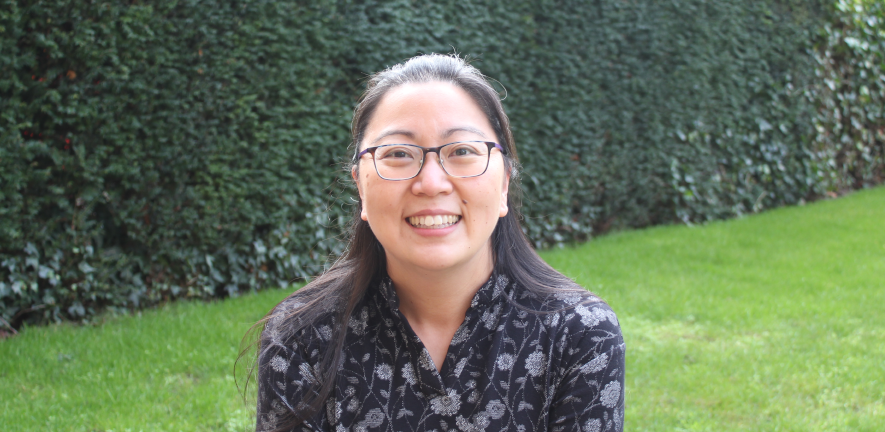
{"x":573,"y":304}
{"x":591,"y":336}
{"x":594,"y":322}
{"x":575,"y":317}
{"x":587,"y":311}
{"x":304,"y":316}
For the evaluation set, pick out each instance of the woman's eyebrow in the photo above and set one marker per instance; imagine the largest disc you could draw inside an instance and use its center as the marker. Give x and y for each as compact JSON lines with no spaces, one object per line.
{"x":393,"y":132}
{"x":446,"y":134}
{"x":451,"y":131}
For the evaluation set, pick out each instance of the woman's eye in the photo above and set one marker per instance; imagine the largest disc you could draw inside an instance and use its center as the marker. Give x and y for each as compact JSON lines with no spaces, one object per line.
{"x":464,"y":151}
{"x":396,"y":153}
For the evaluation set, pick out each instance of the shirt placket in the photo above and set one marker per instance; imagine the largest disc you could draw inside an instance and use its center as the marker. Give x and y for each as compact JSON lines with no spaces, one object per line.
{"x":429,"y":380}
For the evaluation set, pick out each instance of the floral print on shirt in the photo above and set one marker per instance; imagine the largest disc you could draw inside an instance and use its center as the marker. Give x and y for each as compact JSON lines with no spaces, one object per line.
{"x":508,"y":368}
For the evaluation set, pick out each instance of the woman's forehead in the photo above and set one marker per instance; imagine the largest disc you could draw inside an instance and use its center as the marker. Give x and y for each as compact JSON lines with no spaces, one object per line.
{"x":435,"y":110}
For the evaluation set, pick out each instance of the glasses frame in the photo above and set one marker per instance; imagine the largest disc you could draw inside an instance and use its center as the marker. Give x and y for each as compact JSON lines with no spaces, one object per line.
{"x":436,"y":150}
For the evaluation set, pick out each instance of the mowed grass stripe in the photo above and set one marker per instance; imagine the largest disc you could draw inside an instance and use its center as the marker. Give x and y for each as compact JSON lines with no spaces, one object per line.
{"x":769,"y":322}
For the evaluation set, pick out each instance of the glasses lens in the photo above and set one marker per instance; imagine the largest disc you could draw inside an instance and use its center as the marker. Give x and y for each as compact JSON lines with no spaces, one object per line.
{"x":465,"y":159}
{"x":398,"y":162}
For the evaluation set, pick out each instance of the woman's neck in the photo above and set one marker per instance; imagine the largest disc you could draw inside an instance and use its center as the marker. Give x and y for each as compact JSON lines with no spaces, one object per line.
{"x":438,"y":298}
{"x":435,"y":302}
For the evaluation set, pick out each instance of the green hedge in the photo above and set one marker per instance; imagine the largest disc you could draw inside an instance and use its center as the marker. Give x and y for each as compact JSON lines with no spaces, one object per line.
{"x":164,"y":150}
{"x":194,"y":148}
{"x":851,"y":62}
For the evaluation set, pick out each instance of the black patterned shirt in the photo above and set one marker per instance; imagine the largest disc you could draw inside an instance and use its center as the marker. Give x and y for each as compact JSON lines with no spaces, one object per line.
{"x":507,"y":368}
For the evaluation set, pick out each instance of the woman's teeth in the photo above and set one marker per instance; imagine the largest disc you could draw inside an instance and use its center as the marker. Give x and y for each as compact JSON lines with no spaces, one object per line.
{"x":438,"y":221}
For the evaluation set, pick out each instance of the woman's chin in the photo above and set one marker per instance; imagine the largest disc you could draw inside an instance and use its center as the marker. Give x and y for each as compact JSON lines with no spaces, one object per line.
{"x":435,"y":258}
{"x":428,"y":263}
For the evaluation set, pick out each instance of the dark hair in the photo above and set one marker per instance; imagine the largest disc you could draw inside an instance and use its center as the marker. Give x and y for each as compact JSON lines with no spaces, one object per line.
{"x":363,"y":262}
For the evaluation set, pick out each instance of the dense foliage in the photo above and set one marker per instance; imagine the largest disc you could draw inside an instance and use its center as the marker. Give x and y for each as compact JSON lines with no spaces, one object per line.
{"x":162,"y":150}
{"x":194,"y":148}
{"x":851,"y":124}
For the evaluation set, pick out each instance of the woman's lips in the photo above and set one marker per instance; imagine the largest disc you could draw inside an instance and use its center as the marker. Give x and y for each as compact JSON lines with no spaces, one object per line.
{"x":433,"y":221}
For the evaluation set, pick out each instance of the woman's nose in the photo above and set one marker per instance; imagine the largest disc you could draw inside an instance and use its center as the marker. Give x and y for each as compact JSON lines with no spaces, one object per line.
{"x":433,"y":179}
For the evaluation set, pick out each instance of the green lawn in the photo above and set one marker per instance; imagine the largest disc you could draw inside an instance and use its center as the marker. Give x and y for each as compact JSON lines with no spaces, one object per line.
{"x":770,"y":322}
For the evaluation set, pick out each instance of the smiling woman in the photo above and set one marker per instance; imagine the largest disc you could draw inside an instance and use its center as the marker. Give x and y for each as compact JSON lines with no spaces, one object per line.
{"x":439,"y":315}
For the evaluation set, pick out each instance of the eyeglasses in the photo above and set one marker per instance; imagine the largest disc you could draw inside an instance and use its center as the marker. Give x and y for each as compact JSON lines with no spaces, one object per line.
{"x":458,"y":159}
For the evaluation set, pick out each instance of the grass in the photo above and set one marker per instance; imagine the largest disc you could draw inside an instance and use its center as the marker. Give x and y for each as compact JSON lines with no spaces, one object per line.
{"x":770,"y":322}
{"x":165,"y":369}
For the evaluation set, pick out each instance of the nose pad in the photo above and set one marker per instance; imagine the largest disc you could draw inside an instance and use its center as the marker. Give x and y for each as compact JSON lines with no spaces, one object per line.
{"x":432,"y":180}
{"x":438,"y":161}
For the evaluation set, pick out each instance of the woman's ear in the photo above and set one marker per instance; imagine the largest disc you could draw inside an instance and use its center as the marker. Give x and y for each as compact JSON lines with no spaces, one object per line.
{"x":504,"y":190}
{"x":354,"y":172}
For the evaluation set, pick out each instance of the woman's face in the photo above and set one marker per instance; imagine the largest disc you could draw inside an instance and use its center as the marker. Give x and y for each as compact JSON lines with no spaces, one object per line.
{"x":431,"y":115}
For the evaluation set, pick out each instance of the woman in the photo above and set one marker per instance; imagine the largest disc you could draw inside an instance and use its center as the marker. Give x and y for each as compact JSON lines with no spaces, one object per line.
{"x":439,"y":315}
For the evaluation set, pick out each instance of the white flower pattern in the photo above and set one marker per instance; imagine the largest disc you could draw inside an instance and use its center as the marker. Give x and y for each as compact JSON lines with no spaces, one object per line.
{"x":610,"y":394}
{"x":384,"y":371}
{"x":374,"y":418}
{"x":496,"y":409}
{"x":535,"y":363}
{"x":505,"y":362}
{"x":446,"y":405}
{"x":409,"y":374}
{"x":279,"y":364}
{"x":505,"y":369}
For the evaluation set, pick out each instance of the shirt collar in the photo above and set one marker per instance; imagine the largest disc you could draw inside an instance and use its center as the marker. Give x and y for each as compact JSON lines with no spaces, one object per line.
{"x":491,"y":292}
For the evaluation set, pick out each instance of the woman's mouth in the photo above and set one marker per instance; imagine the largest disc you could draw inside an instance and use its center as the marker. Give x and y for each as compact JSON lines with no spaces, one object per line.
{"x":433,"y":222}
